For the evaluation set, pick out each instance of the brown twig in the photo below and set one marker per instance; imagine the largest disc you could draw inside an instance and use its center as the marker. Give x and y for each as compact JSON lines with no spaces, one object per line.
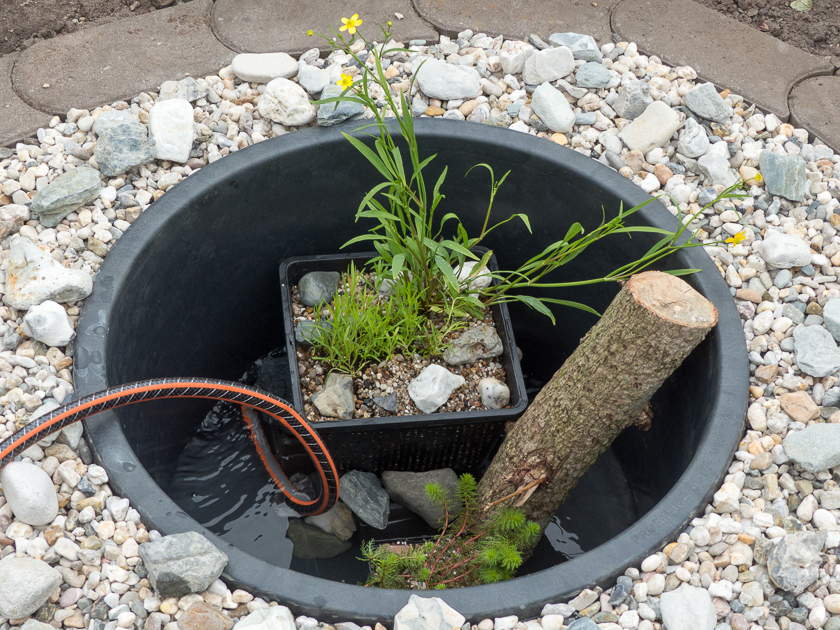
{"x":542,"y":479}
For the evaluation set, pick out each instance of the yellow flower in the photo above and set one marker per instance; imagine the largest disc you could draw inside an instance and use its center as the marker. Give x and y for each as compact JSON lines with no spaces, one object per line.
{"x":737,"y":238}
{"x":345,"y":81}
{"x":758,"y":177}
{"x":390,"y":23}
{"x":350,"y":24}
{"x":309,"y":33}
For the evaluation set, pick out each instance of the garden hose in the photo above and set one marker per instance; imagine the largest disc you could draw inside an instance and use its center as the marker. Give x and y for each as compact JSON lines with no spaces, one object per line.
{"x":248,"y":398}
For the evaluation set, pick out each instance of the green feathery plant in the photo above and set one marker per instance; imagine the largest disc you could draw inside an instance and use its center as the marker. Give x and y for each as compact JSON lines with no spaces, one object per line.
{"x":460,"y":555}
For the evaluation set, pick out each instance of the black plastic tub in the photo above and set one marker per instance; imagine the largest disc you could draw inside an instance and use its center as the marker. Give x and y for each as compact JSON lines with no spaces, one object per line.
{"x":190,"y":290}
{"x":462,"y":441}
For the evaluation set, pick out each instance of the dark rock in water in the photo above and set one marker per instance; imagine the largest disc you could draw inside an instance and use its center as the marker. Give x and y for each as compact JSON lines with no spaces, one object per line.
{"x":388,"y":402}
{"x":318,"y":286}
{"x":364,"y":494}
{"x":274,"y":376}
{"x":312,"y":543}
{"x":409,"y":489}
{"x":303,"y":484}
{"x":795,"y":562}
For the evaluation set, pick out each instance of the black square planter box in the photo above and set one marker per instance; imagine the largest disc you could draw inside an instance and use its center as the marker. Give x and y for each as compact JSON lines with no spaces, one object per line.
{"x":462,"y":441}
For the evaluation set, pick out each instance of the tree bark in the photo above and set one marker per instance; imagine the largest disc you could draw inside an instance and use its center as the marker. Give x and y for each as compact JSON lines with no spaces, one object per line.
{"x":653,"y":324}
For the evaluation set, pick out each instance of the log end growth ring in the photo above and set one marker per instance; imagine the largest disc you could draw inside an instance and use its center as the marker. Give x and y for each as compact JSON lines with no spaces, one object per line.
{"x":673,"y":299}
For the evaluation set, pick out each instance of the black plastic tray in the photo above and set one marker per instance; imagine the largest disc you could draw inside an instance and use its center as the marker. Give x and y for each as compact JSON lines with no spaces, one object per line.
{"x":420,"y":442}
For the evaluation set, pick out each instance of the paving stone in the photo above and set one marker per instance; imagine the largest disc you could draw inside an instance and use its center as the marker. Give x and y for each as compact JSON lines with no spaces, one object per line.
{"x":175,"y":43}
{"x":253,"y":25}
{"x":815,"y":105}
{"x":17,"y":119}
{"x":519,"y":19}
{"x":753,"y":64}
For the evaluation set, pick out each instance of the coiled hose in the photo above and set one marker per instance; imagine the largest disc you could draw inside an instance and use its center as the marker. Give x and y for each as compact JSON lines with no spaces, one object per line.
{"x":247,"y":397}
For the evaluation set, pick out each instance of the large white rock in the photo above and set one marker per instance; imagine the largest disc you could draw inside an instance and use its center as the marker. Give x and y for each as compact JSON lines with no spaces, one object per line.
{"x":433,"y":387}
{"x":439,"y":79}
{"x":25,"y":585}
{"x":652,"y":129}
{"x":428,"y":613}
{"x":263,"y":67}
{"x":548,"y":65}
{"x":717,"y":169}
{"x":784,"y":251}
{"x":49,"y":323}
{"x":273,"y":618}
{"x":688,"y":608}
{"x":313,"y":79}
{"x":172,"y":127}
{"x":287,"y":103}
{"x":552,"y":108}
{"x":30,"y":493}
{"x":513,"y":55}
{"x":33,"y":277}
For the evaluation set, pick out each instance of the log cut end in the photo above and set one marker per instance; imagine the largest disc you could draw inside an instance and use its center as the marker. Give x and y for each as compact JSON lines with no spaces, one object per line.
{"x":672,"y":299}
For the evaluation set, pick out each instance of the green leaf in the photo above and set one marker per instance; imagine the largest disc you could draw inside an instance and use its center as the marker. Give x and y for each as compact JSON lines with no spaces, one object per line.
{"x":370,"y":155}
{"x":459,"y":248}
{"x":537,"y":305}
{"x":575,"y":229}
{"x":364,"y":237}
{"x":577,"y":305}
{"x":524,"y":217}
{"x":446,"y":270}
{"x":683,"y":272}
{"x":397,"y":265}
{"x":641,"y":228}
{"x":802,"y":5}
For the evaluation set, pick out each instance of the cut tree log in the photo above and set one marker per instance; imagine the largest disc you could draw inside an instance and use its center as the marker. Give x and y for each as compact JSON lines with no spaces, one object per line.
{"x":605,"y":386}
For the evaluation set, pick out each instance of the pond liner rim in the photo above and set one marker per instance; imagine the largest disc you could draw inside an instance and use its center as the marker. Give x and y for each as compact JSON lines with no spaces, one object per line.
{"x":334,"y":601}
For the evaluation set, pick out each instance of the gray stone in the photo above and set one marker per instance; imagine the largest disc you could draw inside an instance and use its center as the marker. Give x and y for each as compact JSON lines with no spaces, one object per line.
{"x":33,"y":276}
{"x":587,"y":118}
{"x":793,"y":313}
{"x":188,"y":89}
{"x":65,"y":194}
{"x":652,"y":129}
{"x":48,"y":323}
{"x":548,"y":65}
{"x":30,"y":493}
{"x":312,"y":79}
{"x":287,"y":103}
{"x":784,"y":175}
{"x":428,"y":613}
{"x":831,"y":317}
{"x":477,"y":342}
{"x":593,"y":75}
{"x":409,"y":489}
{"x":12,"y":218}
{"x":25,"y":585}
{"x":122,"y":143}
{"x":172,"y":128}
{"x":553,"y":109}
{"x":705,"y":101}
{"x":330,"y":114}
{"x":494,"y":393}
{"x":583,"y":623}
{"x":306,"y":331}
{"x":433,"y":387}
{"x":335,"y":400}
{"x":783,"y":278}
{"x":815,"y":448}
{"x":633,"y":100}
{"x":263,"y":67}
{"x":717,"y":169}
{"x":269,"y":618}
{"x":688,"y":608}
{"x":564,"y":610}
{"x":794,"y":564}
{"x":387,"y":402}
{"x":318,"y":286}
{"x":313,"y":543}
{"x":364,"y":494}
{"x":338,"y":521}
{"x":182,"y":563}
{"x":815,"y":351}
{"x":831,"y":398}
{"x":693,"y":142}
{"x":439,"y":79}
{"x":582,"y":46}
{"x":784,"y":251}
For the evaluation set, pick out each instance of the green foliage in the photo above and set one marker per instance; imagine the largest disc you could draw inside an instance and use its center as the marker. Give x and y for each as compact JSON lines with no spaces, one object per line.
{"x":460,"y":555}
{"x":409,"y":237}
{"x":367,"y":328}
